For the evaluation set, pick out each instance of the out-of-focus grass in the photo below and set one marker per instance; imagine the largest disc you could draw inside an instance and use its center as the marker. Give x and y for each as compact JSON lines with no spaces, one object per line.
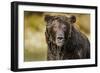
{"x":35,"y":47}
{"x":35,"y":55}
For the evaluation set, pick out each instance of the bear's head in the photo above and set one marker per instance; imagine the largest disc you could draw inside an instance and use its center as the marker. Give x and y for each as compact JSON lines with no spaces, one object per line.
{"x":58,"y":28}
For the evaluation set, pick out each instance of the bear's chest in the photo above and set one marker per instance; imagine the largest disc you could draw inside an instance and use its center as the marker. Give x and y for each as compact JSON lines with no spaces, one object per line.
{"x":62,"y":55}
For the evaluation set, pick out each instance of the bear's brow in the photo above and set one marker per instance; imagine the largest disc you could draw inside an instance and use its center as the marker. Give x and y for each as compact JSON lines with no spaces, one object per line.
{"x":61,"y":18}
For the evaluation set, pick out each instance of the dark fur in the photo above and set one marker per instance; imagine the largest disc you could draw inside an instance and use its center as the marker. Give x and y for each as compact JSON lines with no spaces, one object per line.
{"x":76,"y":45}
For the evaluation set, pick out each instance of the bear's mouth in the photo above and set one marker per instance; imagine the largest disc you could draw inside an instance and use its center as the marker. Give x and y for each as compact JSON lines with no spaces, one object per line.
{"x":59,"y":43}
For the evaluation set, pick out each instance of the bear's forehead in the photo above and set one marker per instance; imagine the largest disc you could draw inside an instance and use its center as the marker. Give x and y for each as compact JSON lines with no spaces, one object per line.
{"x":61,"y":17}
{"x":58,"y":24}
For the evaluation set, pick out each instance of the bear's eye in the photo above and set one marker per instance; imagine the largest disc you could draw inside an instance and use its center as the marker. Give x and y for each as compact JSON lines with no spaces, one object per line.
{"x":55,"y":28}
{"x":64,"y":27}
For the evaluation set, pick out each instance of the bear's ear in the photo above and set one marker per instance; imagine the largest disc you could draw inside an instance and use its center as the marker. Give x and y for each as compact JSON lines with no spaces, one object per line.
{"x":72,"y":19}
{"x":48,"y":18}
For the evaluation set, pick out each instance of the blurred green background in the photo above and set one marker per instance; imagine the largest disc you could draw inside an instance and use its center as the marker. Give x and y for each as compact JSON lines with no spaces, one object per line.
{"x":35,"y":47}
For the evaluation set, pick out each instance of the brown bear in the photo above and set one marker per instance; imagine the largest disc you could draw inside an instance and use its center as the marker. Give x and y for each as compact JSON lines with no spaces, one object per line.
{"x":64,"y":40}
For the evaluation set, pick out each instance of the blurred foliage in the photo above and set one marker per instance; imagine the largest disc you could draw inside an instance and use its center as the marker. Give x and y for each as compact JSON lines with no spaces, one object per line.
{"x":34,"y":33}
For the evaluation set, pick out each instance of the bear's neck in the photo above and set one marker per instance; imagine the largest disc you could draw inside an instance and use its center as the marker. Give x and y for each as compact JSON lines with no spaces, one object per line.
{"x":69,"y":42}
{"x":55,"y":52}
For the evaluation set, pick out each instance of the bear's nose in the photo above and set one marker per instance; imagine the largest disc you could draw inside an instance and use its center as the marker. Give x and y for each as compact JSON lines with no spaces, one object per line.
{"x":60,"y":38}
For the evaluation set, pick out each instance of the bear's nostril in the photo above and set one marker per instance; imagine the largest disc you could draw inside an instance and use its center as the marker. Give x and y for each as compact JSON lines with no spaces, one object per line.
{"x":60,"y":38}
